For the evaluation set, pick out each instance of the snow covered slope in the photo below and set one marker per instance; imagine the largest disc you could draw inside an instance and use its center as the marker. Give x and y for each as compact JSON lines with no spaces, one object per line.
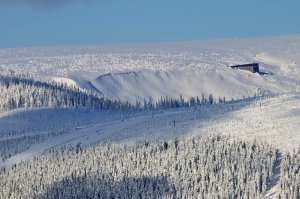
{"x":130,"y":72}
{"x":65,"y":81}
{"x":147,"y":83}
{"x":274,"y":120}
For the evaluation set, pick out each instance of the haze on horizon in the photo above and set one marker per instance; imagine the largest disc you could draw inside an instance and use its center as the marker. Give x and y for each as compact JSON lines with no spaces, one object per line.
{"x":47,"y":23}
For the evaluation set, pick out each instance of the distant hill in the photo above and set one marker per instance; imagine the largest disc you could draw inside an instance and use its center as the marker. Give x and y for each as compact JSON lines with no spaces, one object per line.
{"x":136,"y":71}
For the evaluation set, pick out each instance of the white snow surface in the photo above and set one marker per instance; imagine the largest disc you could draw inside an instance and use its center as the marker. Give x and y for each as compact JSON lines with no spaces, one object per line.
{"x":274,"y":120}
{"x":271,"y":119}
{"x":135,"y":71}
{"x":156,"y":84}
{"x":65,"y":81}
{"x":138,"y":71}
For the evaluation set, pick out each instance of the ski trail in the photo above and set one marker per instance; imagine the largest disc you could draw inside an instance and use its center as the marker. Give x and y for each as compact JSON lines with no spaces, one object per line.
{"x":273,"y":186}
{"x":85,"y":135}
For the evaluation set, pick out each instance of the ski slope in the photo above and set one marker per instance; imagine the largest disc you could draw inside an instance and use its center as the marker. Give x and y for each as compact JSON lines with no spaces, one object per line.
{"x":273,"y":119}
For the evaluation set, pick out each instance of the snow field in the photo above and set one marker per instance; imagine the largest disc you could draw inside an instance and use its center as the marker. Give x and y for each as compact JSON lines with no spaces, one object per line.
{"x":130,"y":72}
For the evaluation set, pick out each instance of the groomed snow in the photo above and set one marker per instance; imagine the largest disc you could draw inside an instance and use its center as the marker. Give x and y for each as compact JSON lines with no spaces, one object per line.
{"x":271,"y":119}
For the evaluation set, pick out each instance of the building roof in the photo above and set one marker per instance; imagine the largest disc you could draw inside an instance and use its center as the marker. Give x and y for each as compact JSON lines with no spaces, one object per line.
{"x":245,"y":65}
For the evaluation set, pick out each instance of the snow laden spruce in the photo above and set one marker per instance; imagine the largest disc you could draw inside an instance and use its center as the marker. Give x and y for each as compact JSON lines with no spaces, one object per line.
{"x":20,"y":92}
{"x":210,"y":167}
{"x":23,"y":92}
{"x":17,"y":144}
{"x":290,"y":176}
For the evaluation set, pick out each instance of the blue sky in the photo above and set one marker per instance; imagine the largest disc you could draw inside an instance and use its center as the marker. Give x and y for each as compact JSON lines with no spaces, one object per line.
{"x":25,"y":23}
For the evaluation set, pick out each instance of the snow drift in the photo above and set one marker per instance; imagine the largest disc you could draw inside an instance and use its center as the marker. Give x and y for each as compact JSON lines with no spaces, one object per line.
{"x":136,"y":85}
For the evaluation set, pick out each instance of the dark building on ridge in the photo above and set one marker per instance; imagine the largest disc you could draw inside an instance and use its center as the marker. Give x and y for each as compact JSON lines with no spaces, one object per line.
{"x":254,"y":67}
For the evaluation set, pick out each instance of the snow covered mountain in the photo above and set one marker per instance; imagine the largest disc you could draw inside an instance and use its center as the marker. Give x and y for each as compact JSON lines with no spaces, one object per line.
{"x":246,"y":146}
{"x":137,"y":71}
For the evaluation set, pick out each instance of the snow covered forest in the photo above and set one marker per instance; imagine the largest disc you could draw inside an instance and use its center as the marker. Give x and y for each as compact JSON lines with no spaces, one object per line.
{"x":211,"y":167}
{"x":290,"y":176}
{"x":18,"y":92}
{"x":77,"y":166}
{"x":151,"y":121}
{"x":14,"y":145}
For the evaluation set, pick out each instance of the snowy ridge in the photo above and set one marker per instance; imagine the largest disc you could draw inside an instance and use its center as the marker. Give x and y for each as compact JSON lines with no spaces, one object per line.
{"x":186,"y":61}
{"x":132,"y":86}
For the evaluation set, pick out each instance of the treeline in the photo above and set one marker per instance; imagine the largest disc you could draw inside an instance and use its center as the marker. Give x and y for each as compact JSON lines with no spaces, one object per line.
{"x":24,"y":92}
{"x":211,"y":167}
{"x":290,"y":176}
{"x":166,"y":102}
{"x":19,"y":92}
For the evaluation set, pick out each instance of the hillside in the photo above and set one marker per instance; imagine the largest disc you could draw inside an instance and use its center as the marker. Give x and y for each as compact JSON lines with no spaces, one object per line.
{"x":130,"y":72}
{"x":165,"y":120}
{"x":20,"y":92}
